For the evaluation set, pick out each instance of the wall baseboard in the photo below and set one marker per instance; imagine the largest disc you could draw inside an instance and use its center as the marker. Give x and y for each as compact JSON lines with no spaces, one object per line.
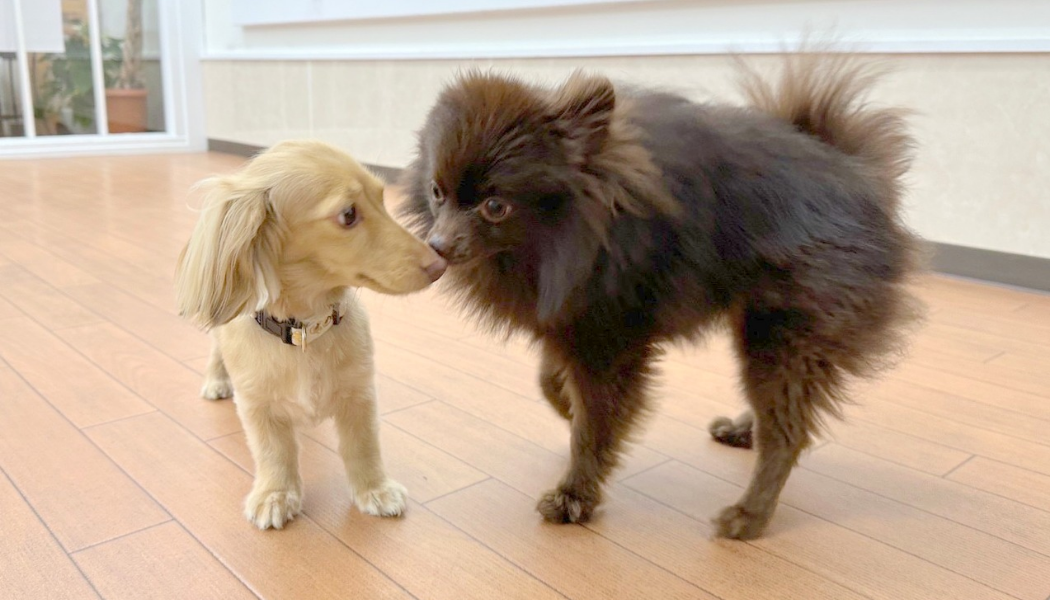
{"x":249,"y":150}
{"x":1004,"y":268}
{"x":1030,"y":272}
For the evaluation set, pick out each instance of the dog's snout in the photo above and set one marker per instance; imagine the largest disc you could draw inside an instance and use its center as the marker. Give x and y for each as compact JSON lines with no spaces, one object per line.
{"x":441,"y":244}
{"x":436,"y":268}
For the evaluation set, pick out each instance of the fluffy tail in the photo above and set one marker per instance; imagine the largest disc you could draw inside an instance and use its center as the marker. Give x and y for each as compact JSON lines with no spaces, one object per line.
{"x":825,"y":95}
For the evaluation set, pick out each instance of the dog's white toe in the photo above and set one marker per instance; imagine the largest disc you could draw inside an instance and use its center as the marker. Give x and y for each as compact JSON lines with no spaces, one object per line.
{"x":386,"y":500}
{"x":272,"y":508}
{"x":217,"y":389}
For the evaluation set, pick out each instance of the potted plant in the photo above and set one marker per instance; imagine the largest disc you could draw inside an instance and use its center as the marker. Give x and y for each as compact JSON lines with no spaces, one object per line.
{"x":126,"y":97}
{"x":64,"y":102}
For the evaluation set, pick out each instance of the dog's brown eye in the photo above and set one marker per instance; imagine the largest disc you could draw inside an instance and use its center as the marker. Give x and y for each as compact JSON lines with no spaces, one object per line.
{"x":348,"y":218}
{"x":436,"y":193}
{"x":495,"y":210}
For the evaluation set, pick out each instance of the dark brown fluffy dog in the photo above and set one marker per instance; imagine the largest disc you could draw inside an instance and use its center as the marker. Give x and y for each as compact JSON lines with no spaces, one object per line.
{"x":605,"y":222}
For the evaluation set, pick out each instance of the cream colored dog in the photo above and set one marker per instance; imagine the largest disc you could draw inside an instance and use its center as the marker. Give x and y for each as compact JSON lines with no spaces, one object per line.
{"x":268,"y":268}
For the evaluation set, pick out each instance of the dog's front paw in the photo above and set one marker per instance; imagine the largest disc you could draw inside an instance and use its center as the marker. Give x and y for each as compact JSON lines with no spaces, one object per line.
{"x":272,"y":508}
{"x":736,"y":522}
{"x":563,"y":506}
{"x":217,"y":389}
{"x":385,"y":500}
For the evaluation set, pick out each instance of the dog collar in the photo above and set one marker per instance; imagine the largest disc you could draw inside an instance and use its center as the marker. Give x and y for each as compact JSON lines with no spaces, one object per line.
{"x":295,"y":332}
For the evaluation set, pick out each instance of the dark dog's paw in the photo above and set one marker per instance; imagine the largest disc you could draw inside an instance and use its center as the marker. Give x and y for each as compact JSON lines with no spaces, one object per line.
{"x":736,"y":522}
{"x":731,"y":433}
{"x":562,"y":506}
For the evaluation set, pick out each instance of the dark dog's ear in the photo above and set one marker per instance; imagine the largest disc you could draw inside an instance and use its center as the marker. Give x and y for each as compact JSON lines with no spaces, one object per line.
{"x":583,"y":108}
{"x":566,"y":265}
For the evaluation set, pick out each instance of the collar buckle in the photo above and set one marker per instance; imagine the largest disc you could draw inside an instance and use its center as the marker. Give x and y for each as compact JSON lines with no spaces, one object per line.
{"x":294,"y":332}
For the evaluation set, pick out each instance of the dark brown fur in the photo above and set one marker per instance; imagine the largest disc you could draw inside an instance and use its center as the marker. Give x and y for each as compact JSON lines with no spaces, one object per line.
{"x":640,"y":218}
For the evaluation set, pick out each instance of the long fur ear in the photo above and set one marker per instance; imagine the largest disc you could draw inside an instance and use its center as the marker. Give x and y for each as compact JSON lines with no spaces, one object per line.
{"x":583,"y":109}
{"x":229,"y":265}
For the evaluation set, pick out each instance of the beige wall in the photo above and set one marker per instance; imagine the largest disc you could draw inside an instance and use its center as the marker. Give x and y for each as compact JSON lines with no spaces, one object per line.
{"x":982,"y":178}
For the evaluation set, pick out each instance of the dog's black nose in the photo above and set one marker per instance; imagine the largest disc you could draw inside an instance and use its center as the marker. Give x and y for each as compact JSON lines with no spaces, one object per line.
{"x":440,"y":244}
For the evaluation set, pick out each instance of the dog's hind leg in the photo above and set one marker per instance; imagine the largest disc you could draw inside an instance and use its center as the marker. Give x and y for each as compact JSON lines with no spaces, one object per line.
{"x":217,"y":384}
{"x":738,"y":432}
{"x":357,"y":423}
{"x":607,"y":399}
{"x":790,"y":383}
{"x":276,"y":496}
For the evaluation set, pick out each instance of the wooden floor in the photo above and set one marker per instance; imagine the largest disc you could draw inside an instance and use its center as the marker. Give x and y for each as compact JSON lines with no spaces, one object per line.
{"x":117,"y":481}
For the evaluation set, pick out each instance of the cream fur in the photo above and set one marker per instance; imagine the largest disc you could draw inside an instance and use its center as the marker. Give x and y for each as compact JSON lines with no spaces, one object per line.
{"x":269,"y":238}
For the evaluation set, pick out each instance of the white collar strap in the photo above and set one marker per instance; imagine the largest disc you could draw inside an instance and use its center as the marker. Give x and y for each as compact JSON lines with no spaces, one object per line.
{"x":295,"y":332}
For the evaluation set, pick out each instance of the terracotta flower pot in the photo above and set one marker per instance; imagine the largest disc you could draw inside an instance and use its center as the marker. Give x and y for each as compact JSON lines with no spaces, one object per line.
{"x":126,"y":110}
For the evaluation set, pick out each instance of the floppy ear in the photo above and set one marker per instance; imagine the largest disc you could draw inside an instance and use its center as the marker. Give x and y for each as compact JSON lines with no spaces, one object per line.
{"x":229,"y":265}
{"x":583,"y":108}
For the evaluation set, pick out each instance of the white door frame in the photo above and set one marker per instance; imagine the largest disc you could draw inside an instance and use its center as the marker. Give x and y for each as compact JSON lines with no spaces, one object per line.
{"x":181,"y":40}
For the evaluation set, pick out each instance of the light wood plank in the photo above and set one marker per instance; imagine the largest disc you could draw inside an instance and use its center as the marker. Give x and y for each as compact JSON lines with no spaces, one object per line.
{"x":393,"y":395}
{"x":1038,"y":309}
{"x":426,"y":310}
{"x":40,"y":301}
{"x":962,"y":410}
{"x":1002,"y":340}
{"x":901,"y":448}
{"x":426,"y":471}
{"x":694,"y":380}
{"x":160,"y":562}
{"x":81,"y":495}
{"x":984,"y":557}
{"x":198,"y":364}
{"x":1034,"y":368}
{"x":856,"y":561}
{"x":156,"y":377}
{"x":928,"y":341}
{"x":204,"y":492}
{"x":1012,"y":521}
{"x":425,"y":554}
{"x":85,"y":394}
{"x":110,"y":240}
{"x":112,"y":270}
{"x":32,"y":564}
{"x":44,"y":264}
{"x":1006,"y":480}
{"x":965,"y":293}
{"x":972,"y":388}
{"x":576,"y":561}
{"x":508,"y":373}
{"x":975,"y":440}
{"x":531,"y":420}
{"x":162,"y":330}
{"x":1000,"y":373}
{"x":516,"y":461}
{"x":6,"y":308}
{"x":686,"y":547}
{"x":996,"y":322}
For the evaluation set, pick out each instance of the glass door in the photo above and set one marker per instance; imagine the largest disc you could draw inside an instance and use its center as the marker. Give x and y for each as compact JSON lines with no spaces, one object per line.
{"x":91,"y":72}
